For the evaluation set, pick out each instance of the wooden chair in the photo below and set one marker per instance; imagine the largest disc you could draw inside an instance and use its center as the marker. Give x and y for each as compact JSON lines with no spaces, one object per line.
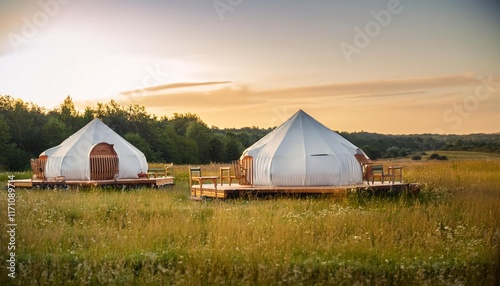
{"x":169,"y":170}
{"x":38,"y":167}
{"x":225,"y":173}
{"x":236,"y":167}
{"x":246,"y":165}
{"x":196,"y":176}
{"x":365,"y":166}
{"x":242,"y":171}
{"x":396,"y":172}
{"x":377,"y":172}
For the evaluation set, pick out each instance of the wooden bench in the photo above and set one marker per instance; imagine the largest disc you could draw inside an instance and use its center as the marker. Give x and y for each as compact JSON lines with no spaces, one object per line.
{"x":166,"y":171}
{"x":201,"y":179}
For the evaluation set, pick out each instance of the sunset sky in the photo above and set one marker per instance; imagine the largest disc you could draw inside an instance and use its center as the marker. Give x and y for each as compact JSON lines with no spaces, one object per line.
{"x":383,"y":66}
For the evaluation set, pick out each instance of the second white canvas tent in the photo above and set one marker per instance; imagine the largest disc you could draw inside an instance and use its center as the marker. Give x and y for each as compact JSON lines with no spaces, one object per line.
{"x":303,"y":152}
{"x":71,"y":158}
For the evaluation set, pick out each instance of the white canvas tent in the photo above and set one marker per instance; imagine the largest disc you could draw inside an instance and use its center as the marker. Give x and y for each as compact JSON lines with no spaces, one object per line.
{"x":303,"y":152}
{"x":71,"y":158}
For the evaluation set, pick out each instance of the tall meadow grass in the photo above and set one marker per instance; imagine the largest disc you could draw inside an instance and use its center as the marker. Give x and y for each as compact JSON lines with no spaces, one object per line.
{"x":443,"y":236}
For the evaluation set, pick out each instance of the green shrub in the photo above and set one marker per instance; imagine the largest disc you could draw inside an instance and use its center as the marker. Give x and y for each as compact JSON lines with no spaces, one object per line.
{"x":434,"y":156}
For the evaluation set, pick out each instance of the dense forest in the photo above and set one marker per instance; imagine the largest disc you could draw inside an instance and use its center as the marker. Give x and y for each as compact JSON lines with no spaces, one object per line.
{"x":26,"y":130}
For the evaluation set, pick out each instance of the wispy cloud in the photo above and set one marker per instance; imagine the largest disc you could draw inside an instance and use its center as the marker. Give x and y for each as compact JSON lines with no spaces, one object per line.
{"x":381,"y":86}
{"x":165,"y":87}
{"x":423,"y":99}
{"x":319,"y":95}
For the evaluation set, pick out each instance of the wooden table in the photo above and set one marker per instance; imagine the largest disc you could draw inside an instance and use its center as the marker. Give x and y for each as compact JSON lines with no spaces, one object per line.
{"x":201,"y":181}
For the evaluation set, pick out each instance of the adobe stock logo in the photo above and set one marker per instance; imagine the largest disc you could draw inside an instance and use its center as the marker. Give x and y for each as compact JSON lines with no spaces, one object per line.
{"x":363,"y":37}
{"x":279,"y":116}
{"x":31,"y":26}
{"x":154,"y":76}
{"x":470,"y":103}
{"x":221,"y":7}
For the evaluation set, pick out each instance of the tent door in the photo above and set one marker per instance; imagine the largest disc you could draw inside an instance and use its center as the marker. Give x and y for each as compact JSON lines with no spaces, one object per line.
{"x":103,"y":162}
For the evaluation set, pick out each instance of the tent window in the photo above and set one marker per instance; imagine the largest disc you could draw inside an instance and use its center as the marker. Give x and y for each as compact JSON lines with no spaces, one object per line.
{"x":317,"y":155}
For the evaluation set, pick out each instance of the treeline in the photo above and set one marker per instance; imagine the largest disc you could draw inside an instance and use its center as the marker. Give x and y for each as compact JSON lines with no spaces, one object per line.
{"x":27,"y":129}
{"x":393,"y":146}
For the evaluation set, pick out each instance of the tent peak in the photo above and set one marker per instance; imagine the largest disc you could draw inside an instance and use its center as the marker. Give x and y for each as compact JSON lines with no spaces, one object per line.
{"x":300,"y":112}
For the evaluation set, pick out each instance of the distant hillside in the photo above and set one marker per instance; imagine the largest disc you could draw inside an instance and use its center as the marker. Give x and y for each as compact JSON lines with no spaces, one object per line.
{"x":391,"y":146}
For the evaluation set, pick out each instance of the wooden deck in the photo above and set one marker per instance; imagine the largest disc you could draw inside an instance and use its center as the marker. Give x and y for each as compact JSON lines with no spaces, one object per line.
{"x":50,"y":183}
{"x":225,"y":191}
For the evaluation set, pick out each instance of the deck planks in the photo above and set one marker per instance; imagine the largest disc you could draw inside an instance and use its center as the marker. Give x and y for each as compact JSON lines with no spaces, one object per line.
{"x":151,"y":182}
{"x":226,"y":191}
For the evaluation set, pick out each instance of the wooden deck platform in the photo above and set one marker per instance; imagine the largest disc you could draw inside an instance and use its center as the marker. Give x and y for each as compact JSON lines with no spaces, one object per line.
{"x":235,"y":190}
{"x":50,"y":183}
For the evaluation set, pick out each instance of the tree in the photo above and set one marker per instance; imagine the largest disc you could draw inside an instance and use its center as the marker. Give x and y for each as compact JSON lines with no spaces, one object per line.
{"x":54,"y":131}
{"x":405,"y":152}
{"x":188,"y":150}
{"x":24,"y":132}
{"x":141,"y":144}
{"x":217,"y":148}
{"x":392,"y":152}
{"x":4,"y":142}
{"x":201,"y":135}
{"x":115,"y":117}
{"x":233,"y":149}
{"x":372,"y":153}
{"x":166,"y":142}
{"x":181,"y":122}
{"x":11,"y":157}
{"x":68,"y":114}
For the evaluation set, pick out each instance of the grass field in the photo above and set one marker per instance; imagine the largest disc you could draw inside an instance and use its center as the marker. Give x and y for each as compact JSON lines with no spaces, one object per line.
{"x":448,"y":235}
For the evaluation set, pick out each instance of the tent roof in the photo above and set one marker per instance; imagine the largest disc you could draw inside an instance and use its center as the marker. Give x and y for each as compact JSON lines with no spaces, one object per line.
{"x":70,"y":158}
{"x":306,"y":131}
{"x":93,"y":133}
{"x":303,"y":151}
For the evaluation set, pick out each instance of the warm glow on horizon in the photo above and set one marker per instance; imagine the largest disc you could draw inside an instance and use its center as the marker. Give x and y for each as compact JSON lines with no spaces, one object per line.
{"x":383,"y":66}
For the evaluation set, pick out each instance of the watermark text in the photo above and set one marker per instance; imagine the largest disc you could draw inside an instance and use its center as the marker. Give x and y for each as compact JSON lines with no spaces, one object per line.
{"x":32,"y":25}
{"x":11,"y":228}
{"x":363,"y":37}
{"x":223,"y":6}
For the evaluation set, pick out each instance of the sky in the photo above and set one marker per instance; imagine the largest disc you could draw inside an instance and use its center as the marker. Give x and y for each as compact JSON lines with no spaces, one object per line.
{"x":385,"y":66}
